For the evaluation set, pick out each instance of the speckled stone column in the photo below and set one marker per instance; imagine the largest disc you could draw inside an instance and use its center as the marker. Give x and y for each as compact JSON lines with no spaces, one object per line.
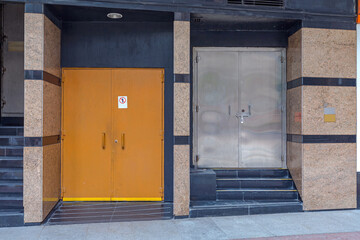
{"x":182,"y":114}
{"x":42,"y":114}
{"x":321,"y":116}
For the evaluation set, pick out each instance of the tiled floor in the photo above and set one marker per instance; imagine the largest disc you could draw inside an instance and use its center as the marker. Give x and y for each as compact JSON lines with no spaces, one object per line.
{"x":101,"y":212}
{"x":236,"y":227}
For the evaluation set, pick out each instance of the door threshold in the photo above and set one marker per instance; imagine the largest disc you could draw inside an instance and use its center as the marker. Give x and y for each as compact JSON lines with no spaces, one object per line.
{"x":106,"y":212}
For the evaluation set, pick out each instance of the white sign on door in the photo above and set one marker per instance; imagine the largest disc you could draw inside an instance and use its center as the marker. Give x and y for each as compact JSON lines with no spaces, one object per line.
{"x":122,"y":102}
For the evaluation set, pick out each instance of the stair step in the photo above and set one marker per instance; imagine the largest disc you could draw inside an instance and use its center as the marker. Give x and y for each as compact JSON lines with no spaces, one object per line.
{"x":11,"y":131}
{"x":222,"y":208}
{"x":12,"y":151}
{"x":11,"y":186}
{"x":243,"y":183}
{"x":11,"y":141}
{"x":11,"y":162}
{"x":257,"y":194}
{"x":11,"y":218}
{"x":11,"y":173}
{"x":11,"y":202}
{"x":252,"y":173}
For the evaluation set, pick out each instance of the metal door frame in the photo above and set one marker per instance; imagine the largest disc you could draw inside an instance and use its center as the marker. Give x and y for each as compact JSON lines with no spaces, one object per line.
{"x":195,"y":91}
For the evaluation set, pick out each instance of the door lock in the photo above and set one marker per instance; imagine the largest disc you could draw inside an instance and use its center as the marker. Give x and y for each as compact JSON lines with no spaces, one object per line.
{"x":116,"y":141}
{"x":243,"y":114}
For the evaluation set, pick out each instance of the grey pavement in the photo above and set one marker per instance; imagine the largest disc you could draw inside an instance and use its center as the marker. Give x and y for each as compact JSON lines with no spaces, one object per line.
{"x":236,"y":227}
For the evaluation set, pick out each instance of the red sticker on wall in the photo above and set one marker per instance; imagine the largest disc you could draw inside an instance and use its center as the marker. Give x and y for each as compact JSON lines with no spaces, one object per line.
{"x":298,"y":117}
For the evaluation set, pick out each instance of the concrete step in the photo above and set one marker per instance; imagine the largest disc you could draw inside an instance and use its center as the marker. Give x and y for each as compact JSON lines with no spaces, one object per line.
{"x":11,"y":187}
{"x":11,"y":151}
{"x":234,"y":208}
{"x":11,"y":131}
{"x":11,"y":162}
{"x":11,"y":218}
{"x":11,"y":173}
{"x":6,"y":141}
{"x":257,"y":194}
{"x":244,"y":183}
{"x":252,"y":173}
{"x":15,"y":202}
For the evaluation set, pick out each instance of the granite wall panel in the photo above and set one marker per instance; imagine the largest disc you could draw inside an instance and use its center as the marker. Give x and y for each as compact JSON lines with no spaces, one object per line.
{"x":181,"y":47}
{"x":33,"y":112}
{"x":295,"y":163}
{"x":329,"y":176}
{"x":51,"y":177}
{"x":328,"y":53}
{"x":317,"y":98}
{"x":181,"y":180}
{"x":33,"y":184}
{"x":324,"y":174}
{"x":294,"y":111}
{"x":34,"y":41}
{"x":181,"y":109}
{"x":294,"y":54}
{"x":51,"y":109}
{"x":41,"y":118}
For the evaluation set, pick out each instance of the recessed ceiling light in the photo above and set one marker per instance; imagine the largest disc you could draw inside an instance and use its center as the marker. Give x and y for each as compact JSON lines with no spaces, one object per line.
{"x":114,"y":15}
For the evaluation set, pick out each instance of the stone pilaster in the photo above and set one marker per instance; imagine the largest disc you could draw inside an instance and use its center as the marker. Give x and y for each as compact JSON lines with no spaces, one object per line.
{"x":181,"y":114}
{"x":321,"y":116}
{"x":42,"y":114}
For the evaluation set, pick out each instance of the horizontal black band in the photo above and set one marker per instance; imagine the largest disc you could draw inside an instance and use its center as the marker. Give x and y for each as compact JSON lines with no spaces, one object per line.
{"x":321,"y":138}
{"x":330,"y":24}
{"x":42,"y":75}
{"x":181,"y":16}
{"x":311,"y":81}
{"x":41,"y":141}
{"x":182,"y":140}
{"x":182,"y":78}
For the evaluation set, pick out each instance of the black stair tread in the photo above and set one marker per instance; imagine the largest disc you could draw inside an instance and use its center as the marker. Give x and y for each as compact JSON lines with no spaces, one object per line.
{"x":11,"y":182}
{"x":2,"y":170}
{"x":240,"y":203}
{"x":12,"y":198}
{"x":10,"y":136}
{"x":252,"y":179}
{"x":11,"y":211}
{"x":254,"y":190}
{"x":11,"y":158}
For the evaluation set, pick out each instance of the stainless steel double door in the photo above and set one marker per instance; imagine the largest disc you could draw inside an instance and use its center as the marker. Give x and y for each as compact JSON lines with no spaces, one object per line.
{"x":239,"y":108}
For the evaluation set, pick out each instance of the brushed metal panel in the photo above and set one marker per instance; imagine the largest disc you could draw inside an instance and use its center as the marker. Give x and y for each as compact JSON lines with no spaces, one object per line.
{"x":217,"y":127}
{"x":261,"y":91}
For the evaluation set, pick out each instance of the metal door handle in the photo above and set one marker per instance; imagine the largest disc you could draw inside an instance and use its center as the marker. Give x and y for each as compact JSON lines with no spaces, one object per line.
{"x":104,"y":140}
{"x":123,"y":141}
{"x":229,"y":110}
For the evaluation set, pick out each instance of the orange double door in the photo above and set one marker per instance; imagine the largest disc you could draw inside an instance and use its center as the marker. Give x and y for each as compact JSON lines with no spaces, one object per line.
{"x":112,"y":131}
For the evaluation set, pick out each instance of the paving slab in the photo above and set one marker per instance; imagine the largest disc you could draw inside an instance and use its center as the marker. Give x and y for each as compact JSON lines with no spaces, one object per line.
{"x":320,"y":225}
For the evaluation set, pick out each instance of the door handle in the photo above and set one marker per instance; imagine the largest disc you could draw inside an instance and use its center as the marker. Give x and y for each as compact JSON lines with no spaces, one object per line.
{"x":123,"y":141}
{"x":104,"y":140}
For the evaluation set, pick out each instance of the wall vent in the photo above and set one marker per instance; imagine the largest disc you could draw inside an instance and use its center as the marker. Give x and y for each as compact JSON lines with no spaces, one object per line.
{"x":269,"y":3}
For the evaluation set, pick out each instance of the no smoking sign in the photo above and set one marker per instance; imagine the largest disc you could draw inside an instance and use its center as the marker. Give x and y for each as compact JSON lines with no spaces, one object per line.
{"x":122,"y":102}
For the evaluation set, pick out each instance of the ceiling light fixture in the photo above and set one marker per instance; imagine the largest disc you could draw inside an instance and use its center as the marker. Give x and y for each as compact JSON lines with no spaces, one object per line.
{"x":114,"y":15}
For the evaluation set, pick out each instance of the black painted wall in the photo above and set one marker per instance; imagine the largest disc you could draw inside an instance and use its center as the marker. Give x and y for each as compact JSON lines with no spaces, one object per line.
{"x":126,"y":45}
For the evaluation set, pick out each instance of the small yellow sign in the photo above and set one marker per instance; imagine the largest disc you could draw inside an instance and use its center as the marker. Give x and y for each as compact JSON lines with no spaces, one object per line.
{"x":330,"y":118}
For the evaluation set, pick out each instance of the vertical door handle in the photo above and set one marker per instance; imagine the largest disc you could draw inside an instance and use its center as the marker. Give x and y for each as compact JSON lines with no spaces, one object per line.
{"x":104,"y":140}
{"x":229,"y":110}
{"x":123,"y":141}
